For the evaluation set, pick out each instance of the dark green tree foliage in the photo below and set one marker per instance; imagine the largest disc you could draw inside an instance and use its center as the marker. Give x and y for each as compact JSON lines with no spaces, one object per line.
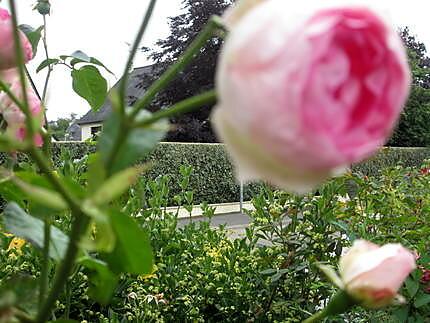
{"x":414,"y":126}
{"x":198,"y":77}
{"x":59,"y":127}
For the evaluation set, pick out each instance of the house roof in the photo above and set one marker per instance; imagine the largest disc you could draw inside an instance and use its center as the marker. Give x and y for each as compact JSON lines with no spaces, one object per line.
{"x":134,"y":91}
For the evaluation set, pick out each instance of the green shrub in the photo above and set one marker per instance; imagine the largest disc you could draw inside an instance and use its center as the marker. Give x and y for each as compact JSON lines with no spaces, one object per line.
{"x":213,"y":178}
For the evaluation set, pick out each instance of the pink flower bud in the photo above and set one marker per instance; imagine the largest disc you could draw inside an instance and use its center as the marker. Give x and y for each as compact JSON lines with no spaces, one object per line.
{"x":12,"y":114}
{"x":7,"y":46}
{"x":372,"y":275}
{"x":301,"y":97}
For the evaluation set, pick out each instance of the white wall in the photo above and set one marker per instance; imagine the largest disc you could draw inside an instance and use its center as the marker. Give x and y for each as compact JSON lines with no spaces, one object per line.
{"x":86,"y":130}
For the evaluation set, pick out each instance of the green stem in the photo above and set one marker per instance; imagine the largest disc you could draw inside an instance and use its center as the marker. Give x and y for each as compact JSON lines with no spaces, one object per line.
{"x":47,"y":147}
{"x":20,"y":61}
{"x":168,"y":76}
{"x":340,"y":303}
{"x":79,"y":226}
{"x":317,"y":317}
{"x":54,"y":179}
{"x":44,"y":277}
{"x":207,"y":32}
{"x":137,"y":41}
{"x":180,"y":108}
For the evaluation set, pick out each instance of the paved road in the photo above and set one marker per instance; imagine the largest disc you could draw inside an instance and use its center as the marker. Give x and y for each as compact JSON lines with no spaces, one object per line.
{"x":235,"y":222}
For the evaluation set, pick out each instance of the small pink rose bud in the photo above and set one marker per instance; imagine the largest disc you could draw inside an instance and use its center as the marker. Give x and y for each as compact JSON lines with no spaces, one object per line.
{"x":303,"y":96}
{"x":12,"y":114}
{"x":372,"y":275}
{"x":7,"y":45}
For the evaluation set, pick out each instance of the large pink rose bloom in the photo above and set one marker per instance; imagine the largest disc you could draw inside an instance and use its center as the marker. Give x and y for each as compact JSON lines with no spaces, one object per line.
{"x":372,"y":275}
{"x":7,"y":47}
{"x":301,"y":97}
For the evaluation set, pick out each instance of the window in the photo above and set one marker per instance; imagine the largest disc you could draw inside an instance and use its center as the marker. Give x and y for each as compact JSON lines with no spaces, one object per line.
{"x":95,"y":130}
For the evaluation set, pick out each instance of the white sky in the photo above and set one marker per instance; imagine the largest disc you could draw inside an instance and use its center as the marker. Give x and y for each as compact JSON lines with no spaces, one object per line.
{"x":102,"y":28}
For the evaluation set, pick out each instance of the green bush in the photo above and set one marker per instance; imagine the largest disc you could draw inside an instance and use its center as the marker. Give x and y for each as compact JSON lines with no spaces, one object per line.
{"x":213,"y":178}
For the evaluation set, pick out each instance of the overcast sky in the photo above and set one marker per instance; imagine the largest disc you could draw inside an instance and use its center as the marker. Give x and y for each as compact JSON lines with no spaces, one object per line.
{"x":104,"y":28}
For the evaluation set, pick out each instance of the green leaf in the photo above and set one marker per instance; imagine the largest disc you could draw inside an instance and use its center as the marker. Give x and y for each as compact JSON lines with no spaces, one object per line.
{"x":21,"y":291}
{"x":90,"y":85}
{"x":102,"y":282}
{"x":101,"y":236}
{"x":81,"y":56}
{"x":46,"y":63}
{"x":132,"y":253}
{"x":117,"y":185}
{"x":422,"y":300}
{"x":401,"y":314}
{"x":33,"y":36}
{"x":42,"y":195}
{"x":19,"y":223}
{"x":138,"y":144}
{"x":412,"y":286}
{"x":95,"y":61}
{"x":268,"y":271}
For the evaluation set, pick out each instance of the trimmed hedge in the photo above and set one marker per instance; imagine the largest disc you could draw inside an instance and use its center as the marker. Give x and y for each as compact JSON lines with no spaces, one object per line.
{"x":213,"y":175}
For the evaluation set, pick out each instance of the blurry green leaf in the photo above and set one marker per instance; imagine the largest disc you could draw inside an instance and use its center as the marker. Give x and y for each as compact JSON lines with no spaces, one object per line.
{"x":132,"y":253}
{"x":422,"y":300}
{"x":412,"y":286}
{"x":96,"y":172}
{"x":90,"y":85}
{"x":278,"y":275}
{"x":19,"y":223}
{"x":33,"y":36}
{"x":21,"y":291}
{"x":46,"y":63}
{"x":117,"y":185}
{"x":401,"y":314}
{"x":270,"y":271}
{"x":101,"y":236}
{"x":102,"y":281}
{"x":42,"y":195}
{"x":138,"y":144}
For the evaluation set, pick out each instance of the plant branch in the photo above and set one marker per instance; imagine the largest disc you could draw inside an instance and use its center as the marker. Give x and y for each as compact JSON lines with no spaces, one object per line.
{"x":180,"y":108}
{"x":208,"y":31}
{"x":168,"y":76}
{"x":137,"y":41}
{"x":44,"y":278}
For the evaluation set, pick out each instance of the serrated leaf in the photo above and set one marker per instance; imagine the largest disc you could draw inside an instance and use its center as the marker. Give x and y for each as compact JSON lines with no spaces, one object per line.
{"x":89,"y":84}
{"x":46,"y":63}
{"x":31,"y":229}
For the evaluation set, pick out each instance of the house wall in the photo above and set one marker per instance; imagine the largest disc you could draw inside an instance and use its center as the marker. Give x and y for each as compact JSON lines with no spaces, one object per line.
{"x":86,"y":130}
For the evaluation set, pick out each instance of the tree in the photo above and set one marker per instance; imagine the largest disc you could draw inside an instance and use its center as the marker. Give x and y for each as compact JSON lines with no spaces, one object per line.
{"x":413,"y":128}
{"x":59,"y":127}
{"x":197,"y":77}
{"x":414,"y":125}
